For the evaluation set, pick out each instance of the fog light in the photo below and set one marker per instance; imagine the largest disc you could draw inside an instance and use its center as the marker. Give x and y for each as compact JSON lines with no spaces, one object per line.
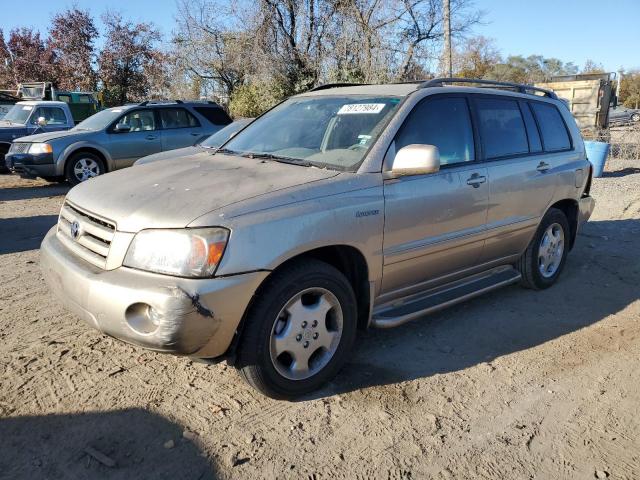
{"x":142,"y":318}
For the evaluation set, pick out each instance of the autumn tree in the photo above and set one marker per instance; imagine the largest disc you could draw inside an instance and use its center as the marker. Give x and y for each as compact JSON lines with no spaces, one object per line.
{"x":476,"y":58}
{"x":130,"y":50}
{"x":26,"y":58}
{"x":71,"y":39}
{"x":590,"y":66}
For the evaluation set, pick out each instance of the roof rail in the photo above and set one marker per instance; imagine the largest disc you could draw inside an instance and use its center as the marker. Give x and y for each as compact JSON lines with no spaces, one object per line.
{"x":326,"y":86}
{"x":158,"y":102}
{"x":520,"y":87}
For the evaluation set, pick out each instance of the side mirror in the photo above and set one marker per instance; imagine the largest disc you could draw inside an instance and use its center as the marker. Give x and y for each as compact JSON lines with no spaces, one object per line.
{"x":416,"y":160}
{"x":122,"y":128}
{"x":42,"y":122}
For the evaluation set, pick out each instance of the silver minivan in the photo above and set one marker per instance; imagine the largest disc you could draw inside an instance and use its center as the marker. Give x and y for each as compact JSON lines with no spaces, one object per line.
{"x":343,"y":208}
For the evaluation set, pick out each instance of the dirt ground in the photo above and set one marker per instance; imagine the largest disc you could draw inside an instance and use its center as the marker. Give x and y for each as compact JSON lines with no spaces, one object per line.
{"x":517,"y":384}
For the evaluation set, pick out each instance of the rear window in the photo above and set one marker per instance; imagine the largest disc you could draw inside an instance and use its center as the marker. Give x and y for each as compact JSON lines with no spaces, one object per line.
{"x":501,"y":127}
{"x":554,"y":132}
{"x":215,"y":115}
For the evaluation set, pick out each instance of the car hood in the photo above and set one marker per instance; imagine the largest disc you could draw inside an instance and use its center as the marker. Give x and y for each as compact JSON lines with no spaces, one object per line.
{"x":169,"y":155}
{"x":172,"y":193}
{"x":9,"y":132}
{"x":48,"y":136}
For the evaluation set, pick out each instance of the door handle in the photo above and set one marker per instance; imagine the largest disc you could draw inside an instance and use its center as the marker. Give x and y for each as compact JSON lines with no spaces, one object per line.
{"x":476,"y":179}
{"x":195,"y":134}
{"x":543,"y":167}
{"x":151,"y":137}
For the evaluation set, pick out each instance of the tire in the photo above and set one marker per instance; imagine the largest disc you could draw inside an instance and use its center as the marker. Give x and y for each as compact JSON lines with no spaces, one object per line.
{"x":94,"y":167}
{"x":635,"y":117}
{"x":278,"y":327}
{"x":553,"y":230}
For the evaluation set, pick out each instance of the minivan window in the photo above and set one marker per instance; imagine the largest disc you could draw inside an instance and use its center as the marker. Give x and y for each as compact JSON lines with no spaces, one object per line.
{"x":177,"y":118}
{"x":535,"y":145}
{"x":501,"y":127}
{"x":215,"y":115}
{"x":139,"y":120}
{"x":443,"y":122}
{"x":554,"y":132}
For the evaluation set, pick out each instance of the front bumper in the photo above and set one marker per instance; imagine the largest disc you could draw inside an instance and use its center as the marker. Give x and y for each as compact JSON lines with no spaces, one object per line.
{"x":196,"y":317}
{"x":31,"y":164}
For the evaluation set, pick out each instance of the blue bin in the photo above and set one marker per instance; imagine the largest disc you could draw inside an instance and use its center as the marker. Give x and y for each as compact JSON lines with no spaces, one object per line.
{"x":597,"y":153}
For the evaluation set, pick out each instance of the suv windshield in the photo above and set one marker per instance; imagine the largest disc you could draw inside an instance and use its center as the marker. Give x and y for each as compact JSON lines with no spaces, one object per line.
{"x":18,"y":114}
{"x":325,"y":131}
{"x":100,"y":120}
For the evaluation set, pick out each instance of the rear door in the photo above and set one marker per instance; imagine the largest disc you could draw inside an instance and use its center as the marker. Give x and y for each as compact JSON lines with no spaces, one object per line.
{"x":144,"y":137}
{"x":179,"y":128}
{"x":521,"y":173}
{"x":434,"y":224}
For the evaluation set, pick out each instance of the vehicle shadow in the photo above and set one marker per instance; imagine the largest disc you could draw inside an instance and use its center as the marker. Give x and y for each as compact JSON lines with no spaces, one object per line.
{"x":55,"y":446}
{"x":20,"y":234}
{"x":29,"y":192}
{"x":600,"y":279}
{"x":622,"y":173}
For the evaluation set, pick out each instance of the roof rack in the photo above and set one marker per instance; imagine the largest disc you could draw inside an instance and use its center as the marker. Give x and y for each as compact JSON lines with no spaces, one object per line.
{"x":335,"y":85}
{"x":520,"y":87}
{"x":158,"y":102}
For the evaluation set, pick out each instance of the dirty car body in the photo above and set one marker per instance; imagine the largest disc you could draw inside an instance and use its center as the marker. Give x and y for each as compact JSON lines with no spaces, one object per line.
{"x":362,"y":216}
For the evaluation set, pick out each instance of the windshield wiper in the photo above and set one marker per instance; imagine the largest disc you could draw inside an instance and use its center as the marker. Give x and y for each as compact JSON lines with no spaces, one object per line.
{"x":225,"y":151}
{"x":280,"y":158}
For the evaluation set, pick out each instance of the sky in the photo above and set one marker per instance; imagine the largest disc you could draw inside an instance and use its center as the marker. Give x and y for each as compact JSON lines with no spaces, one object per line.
{"x":606,"y":32}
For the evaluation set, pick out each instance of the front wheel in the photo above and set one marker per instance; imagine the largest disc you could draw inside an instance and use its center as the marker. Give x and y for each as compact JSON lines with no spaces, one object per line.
{"x":299,"y":331}
{"x":542,"y":262}
{"x":635,"y":117}
{"x":83,"y":166}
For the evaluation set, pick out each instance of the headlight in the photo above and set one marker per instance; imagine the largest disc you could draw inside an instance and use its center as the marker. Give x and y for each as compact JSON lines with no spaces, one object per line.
{"x":185,"y":252}
{"x":40,"y":148}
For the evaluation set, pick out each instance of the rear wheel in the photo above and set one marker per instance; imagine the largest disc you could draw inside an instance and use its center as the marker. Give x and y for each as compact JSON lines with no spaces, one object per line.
{"x":299,"y":331}
{"x":83,"y":166}
{"x":542,"y":262}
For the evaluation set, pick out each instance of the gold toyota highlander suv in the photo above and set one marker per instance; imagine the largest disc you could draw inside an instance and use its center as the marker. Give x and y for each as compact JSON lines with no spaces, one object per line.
{"x":343,"y":208}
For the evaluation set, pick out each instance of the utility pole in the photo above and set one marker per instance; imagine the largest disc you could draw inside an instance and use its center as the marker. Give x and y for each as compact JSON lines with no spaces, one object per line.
{"x":448,"y":69}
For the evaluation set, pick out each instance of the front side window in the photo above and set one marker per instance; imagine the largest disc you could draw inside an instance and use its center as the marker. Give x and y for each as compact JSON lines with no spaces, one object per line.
{"x":177,"y":118}
{"x":53,"y":116}
{"x":139,"y":120}
{"x":325,"y":131}
{"x":554,"y":132}
{"x":443,"y":122}
{"x":501,"y":127}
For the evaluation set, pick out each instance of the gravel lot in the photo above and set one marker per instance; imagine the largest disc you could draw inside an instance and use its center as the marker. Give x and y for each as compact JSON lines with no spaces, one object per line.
{"x":516,"y":384}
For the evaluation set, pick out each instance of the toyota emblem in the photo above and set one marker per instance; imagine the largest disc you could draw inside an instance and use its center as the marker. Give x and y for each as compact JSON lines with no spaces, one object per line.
{"x":75,"y":230}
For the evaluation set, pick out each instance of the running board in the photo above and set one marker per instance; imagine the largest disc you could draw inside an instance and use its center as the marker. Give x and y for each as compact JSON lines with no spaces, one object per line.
{"x":409,"y":308}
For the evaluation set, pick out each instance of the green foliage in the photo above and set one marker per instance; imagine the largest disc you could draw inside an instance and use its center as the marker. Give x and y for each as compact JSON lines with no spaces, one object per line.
{"x":630,"y":89}
{"x":254,"y":98}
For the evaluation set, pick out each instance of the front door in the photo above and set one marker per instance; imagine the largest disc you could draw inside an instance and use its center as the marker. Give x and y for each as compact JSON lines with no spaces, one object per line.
{"x":143,"y":138}
{"x":435,"y":224}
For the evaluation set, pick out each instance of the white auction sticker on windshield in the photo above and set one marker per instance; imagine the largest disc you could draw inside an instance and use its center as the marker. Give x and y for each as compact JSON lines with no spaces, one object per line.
{"x":361,"y":108}
{"x":27,"y":107}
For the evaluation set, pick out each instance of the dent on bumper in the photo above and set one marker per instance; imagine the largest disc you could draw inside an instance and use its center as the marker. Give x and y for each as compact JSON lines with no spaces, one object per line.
{"x":196,"y":317}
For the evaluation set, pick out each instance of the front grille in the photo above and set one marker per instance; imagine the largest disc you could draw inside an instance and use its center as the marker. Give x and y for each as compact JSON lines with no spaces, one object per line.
{"x":85,"y":234}
{"x":19,"y":147}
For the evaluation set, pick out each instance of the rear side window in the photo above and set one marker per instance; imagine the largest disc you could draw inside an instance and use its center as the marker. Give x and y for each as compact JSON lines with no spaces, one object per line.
{"x":84,"y":99}
{"x":215,"y":115}
{"x":554,"y":132}
{"x":535,"y":145}
{"x":64,"y":98}
{"x":443,"y":122}
{"x":177,"y":118}
{"x":501,"y":127}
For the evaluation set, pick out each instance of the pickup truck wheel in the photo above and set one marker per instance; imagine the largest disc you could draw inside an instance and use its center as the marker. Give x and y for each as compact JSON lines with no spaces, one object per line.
{"x":83,"y":166}
{"x":542,"y":262}
{"x":635,"y":117}
{"x":299,"y":330}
